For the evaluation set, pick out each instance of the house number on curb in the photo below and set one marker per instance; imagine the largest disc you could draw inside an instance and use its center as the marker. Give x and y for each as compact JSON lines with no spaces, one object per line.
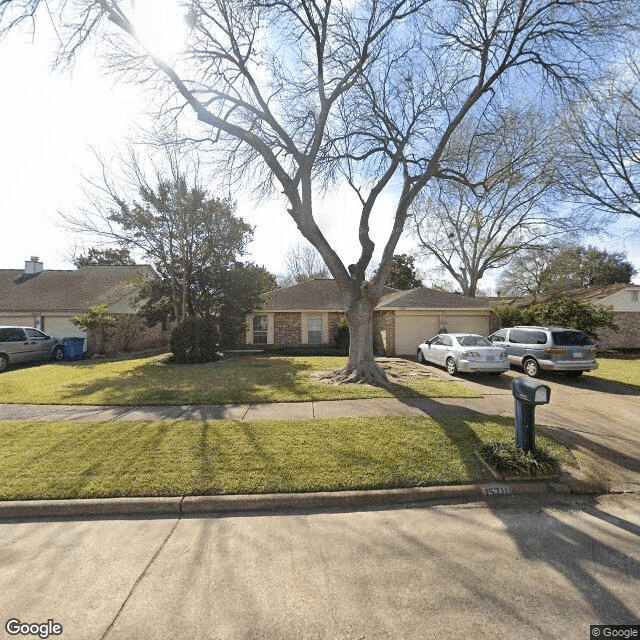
{"x":497,"y":490}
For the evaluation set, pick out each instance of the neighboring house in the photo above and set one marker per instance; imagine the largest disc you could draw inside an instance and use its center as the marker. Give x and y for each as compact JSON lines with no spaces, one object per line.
{"x":624,"y":298}
{"x":47,"y":299}
{"x":308,"y":313}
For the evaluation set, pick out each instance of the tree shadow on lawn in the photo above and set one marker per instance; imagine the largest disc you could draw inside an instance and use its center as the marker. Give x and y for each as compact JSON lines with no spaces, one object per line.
{"x":153,"y":383}
{"x":214,"y":443}
{"x":275,"y":379}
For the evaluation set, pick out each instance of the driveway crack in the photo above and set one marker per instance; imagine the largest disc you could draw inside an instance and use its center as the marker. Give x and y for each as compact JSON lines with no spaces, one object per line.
{"x":142,"y":575}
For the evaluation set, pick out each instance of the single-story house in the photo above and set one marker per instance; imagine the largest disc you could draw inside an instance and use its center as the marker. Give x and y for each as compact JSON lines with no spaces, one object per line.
{"x":47,"y":299}
{"x":623,"y":297}
{"x":308,"y":313}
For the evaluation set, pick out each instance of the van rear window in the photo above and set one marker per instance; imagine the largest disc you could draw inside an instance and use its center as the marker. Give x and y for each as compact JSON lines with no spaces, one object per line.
{"x":527,"y":336}
{"x":571,"y":339}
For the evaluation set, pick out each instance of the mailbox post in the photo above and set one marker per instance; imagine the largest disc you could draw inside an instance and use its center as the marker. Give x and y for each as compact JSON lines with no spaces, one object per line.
{"x":528,"y":394}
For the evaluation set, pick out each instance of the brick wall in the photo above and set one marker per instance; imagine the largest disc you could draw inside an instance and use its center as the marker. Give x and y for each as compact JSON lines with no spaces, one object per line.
{"x":287,"y":329}
{"x":628,"y":334}
{"x":384,"y":332}
{"x":130,"y":334}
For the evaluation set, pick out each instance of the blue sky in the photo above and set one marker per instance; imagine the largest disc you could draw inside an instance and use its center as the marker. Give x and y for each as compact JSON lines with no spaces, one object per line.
{"x":48,"y":122}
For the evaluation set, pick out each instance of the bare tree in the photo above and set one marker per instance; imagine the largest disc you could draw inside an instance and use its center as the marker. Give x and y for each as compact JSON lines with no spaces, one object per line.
{"x":303,"y":263}
{"x":504,"y":205}
{"x":305,"y":93}
{"x":602,"y":165}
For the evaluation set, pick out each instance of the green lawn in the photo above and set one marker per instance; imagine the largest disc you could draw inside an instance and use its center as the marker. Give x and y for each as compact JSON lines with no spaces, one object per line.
{"x":167,"y":458}
{"x":622,"y":370}
{"x":150,"y":381}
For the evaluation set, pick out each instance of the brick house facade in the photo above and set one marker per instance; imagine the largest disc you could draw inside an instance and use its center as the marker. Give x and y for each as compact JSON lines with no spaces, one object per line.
{"x":623,"y":298}
{"x":47,"y":299}
{"x":308,"y":314}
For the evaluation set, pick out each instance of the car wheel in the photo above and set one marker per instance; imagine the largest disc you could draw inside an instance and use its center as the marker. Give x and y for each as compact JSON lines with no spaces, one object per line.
{"x":452,"y":369}
{"x":574,"y":374}
{"x":421,"y":359}
{"x":57,"y":354}
{"x":531,"y":368}
{"x":4,"y":362}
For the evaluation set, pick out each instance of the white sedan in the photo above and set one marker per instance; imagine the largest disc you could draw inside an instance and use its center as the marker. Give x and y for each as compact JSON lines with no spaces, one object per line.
{"x":464,"y":352}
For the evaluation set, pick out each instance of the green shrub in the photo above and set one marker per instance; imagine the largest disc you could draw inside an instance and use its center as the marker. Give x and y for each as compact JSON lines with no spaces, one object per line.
{"x":509,"y":459}
{"x":563,"y":312}
{"x":195,"y":340}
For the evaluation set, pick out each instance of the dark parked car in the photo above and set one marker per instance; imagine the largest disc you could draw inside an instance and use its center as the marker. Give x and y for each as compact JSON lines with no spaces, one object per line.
{"x":25,"y":344}
{"x":547,"y":348}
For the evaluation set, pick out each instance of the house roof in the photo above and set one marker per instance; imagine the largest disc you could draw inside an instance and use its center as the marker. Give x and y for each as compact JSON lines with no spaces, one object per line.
{"x":325,"y":295}
{"x":586,"y":294}
{"x":72,"y":290}
{"x":311,"y":294}
{"x":426,"y":298}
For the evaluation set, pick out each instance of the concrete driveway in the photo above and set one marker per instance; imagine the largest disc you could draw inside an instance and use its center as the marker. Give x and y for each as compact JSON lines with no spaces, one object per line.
{"x":596,"y":418}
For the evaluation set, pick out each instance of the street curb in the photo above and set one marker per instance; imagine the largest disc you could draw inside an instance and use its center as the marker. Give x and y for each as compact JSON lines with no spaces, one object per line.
{"x":90,"y":507}
{"x":193,"y":505}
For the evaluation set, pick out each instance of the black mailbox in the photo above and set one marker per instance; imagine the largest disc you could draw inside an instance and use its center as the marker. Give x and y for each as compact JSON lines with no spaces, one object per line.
{"x":528,"y":394}
{"x":531,"y":391}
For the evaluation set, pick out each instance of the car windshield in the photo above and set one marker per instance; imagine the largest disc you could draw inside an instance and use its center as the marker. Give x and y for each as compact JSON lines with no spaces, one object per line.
{"x":474,"y":341}
{"x":571,"y":339}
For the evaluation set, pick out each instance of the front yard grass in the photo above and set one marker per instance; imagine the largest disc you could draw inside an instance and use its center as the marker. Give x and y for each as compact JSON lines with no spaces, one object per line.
{"x":621,"y":370}
{"x":154,"y":381}
{"x":45,"y":460}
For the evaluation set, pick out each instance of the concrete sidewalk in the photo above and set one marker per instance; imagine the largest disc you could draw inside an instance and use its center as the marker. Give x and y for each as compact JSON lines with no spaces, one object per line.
{"x":600,"y":425}
{"x":495,"y":404}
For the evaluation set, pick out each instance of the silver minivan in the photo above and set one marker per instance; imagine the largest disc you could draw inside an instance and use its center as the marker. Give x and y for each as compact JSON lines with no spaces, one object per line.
{"x":547,"y":348}
{"x":26,"y":344}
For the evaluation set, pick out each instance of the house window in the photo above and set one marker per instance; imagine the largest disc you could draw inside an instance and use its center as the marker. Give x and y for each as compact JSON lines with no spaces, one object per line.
{"x":315,"y":328}
{"x":260,"y":327}
{"x":634,"y":296}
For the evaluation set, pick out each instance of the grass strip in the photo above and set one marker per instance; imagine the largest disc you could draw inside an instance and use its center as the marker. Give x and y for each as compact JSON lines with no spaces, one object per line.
{"x":624,"y":371}
{"x":153,"y":381}
{"x":42,"y":460}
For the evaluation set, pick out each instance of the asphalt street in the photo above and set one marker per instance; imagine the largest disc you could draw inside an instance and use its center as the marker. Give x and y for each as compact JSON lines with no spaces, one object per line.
{"x":545,"y":566}
{"x":499,"y":570}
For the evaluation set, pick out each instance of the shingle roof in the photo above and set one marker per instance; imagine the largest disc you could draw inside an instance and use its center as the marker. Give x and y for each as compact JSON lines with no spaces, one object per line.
{"x":312,"y":294}
{"x":56,"y":290}
{"x":586,"y":294}
{"x":325,"y":295}
{"x":425,"y":298}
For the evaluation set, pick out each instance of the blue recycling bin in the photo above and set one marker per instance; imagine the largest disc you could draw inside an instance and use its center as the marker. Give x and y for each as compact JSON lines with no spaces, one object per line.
{"x":73,"y":348}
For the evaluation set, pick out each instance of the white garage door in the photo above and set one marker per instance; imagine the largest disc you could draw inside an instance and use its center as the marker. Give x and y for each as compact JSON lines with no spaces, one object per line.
{"x":412,"y":329}
{"x":16,"y":321}
{"x":468,"y":323}
{"x":62,"y":328}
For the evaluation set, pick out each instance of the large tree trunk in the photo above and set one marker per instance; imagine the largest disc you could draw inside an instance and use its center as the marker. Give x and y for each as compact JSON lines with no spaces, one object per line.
{"x":362,"y":367}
